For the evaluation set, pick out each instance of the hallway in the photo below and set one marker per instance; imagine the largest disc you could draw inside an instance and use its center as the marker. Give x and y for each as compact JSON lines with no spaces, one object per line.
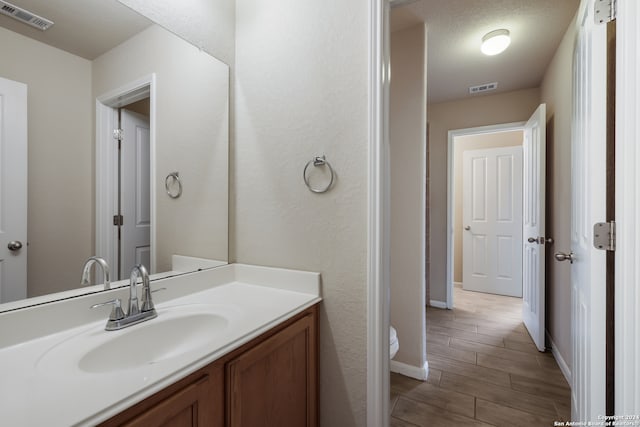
{"x":483,"y":370}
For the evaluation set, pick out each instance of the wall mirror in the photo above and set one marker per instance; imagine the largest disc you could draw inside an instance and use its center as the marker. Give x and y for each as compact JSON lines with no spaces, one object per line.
{"x":155,"y":192}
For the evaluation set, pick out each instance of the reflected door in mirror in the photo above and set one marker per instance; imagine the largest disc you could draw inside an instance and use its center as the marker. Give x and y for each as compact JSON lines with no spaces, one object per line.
{"x":135,"y":245}
{"x":13,"y":190}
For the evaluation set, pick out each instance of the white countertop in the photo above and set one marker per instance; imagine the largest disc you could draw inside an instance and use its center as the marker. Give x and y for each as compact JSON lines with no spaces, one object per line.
{"x":35,"y":392}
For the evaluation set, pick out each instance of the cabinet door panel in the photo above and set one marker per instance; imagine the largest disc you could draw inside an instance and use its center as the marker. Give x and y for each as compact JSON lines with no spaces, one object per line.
{"x":274,"y":383}
{"x":183,"y":409}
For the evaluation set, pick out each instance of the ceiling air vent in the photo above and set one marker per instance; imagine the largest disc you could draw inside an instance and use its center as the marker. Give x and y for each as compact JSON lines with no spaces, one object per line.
{"x":483,"y":88}
{"x":25,"y":16}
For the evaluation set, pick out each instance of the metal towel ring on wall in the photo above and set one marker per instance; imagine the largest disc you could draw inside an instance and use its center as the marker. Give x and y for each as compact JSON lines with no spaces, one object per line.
{"x":318,"y":161}
{"x":169,"y":184}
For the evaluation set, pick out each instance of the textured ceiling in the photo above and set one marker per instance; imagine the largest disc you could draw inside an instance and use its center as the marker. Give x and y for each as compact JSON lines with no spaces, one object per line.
{"x":87,"y":28}
{"x":454,"y":32}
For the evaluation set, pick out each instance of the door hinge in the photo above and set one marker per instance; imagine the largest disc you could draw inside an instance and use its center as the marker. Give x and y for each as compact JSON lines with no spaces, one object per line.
{"x":604,"y":235}
{"x":604,"y":11}
{"x":117,"y":134}
{"x":118,"y":220}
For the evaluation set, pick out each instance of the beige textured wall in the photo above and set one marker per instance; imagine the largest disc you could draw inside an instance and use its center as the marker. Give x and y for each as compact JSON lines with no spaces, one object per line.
{"x":407,"y":129}
{"x":60,"y":157}
{"x":192,"y":141}
{"x":462,"y":144}
{"x":557,"y":94}
{"x":301,"y":91}
{"x":507,"y":107}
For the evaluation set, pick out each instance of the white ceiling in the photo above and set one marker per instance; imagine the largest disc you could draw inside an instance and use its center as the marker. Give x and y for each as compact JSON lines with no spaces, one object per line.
{"x":454,"y":33}
{"x":455,"y":28}
{"x":87,"y":28}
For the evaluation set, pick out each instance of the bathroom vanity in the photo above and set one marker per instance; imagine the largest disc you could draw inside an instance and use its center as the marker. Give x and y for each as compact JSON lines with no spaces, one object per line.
{"x":272,"y":380}
{"x":230,"y":346}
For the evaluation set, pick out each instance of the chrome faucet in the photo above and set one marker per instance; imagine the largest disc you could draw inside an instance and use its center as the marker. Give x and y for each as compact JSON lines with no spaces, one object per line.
{"x":137,"y":270}
{"x":86,"y":271}
{"x":118,"y":319}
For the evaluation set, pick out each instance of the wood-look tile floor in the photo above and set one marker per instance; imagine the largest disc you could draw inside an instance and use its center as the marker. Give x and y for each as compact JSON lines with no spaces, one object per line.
{"x":484,"y":370}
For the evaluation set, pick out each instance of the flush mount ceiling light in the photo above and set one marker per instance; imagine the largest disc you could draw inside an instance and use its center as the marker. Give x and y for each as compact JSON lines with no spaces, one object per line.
{"x":495,"y":42}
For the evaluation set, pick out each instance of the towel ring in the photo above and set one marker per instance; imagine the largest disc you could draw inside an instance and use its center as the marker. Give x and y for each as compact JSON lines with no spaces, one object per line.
{"x":170,"y":181}
{"x":318,"y":161}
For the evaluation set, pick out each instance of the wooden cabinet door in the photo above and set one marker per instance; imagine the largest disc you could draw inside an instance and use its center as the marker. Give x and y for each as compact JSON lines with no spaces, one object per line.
{"x":186,"y":408}
{"x":274,"y":383}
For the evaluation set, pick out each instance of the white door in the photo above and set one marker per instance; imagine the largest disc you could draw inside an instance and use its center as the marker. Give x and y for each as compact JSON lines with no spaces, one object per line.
{"x":492,"y":220}
{"x":135,"y":192}
{"x":588,"y":196}
{"x":533,"y":261}
{"x":13,"y":190}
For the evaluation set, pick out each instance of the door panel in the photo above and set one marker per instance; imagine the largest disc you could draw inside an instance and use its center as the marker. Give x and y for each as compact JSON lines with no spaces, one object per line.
{"x":588,"y":206}
{"x":479,"y":189}
{"x":506,"y":248}
{"x":13,"y":190}
{"x":505,"y":189}
{"x":135,"y":195}
{"x":479,"y":257}
{"x":533,"y":301}
{"x":492,"y":212}
{"x":531,"y":269}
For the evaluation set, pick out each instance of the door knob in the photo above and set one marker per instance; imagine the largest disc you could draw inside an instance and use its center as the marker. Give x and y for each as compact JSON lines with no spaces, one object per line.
{"x":532,"y":239}
{"x":15,"y":245}
{"x":467,"y":228}
{"x":561,"y":256}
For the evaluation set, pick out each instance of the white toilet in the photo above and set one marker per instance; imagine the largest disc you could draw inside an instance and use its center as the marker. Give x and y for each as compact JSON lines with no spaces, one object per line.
{"x":393,"y":342}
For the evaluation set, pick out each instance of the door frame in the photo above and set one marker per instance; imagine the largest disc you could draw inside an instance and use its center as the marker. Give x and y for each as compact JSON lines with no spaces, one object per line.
{"x":627,"y":272}
{"x":377,"y":367}
{"x":451,"y":173}
{"x":107,"y":165}
{"x":627,"y":384}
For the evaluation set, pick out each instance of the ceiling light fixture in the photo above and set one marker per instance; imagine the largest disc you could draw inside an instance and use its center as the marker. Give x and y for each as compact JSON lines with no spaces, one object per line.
{"x":495,"y":42}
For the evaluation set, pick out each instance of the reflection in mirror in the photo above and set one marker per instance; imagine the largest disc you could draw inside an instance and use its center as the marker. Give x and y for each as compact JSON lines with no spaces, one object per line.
{"x":98,"y":68}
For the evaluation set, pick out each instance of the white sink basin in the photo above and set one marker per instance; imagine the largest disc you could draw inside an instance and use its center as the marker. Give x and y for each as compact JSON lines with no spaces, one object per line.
{"x":176,"y":332}
{"x":153,"y":342}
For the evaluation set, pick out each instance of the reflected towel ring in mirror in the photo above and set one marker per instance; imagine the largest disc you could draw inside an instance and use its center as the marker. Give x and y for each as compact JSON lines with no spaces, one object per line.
{"x":318,"y":161}
{"x":173,"y":185}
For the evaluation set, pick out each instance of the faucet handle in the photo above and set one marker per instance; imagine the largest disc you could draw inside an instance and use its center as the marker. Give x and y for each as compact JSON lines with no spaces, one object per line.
{"x":147,"y":302}
{"x":116,"y":312}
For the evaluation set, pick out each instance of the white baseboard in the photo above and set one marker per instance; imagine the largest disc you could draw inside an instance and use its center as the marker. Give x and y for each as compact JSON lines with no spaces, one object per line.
{"x":561,"y":363}
{"x":438,"y":304}
{"x":457,"y":284}
{"x":419,"y":373}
